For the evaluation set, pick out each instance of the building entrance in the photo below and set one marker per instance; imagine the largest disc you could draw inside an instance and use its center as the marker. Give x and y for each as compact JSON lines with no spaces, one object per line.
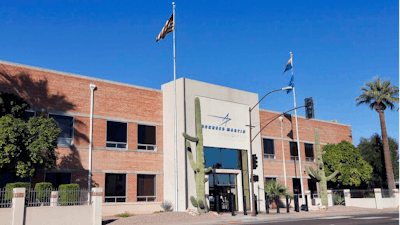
{"x":221,"y":189}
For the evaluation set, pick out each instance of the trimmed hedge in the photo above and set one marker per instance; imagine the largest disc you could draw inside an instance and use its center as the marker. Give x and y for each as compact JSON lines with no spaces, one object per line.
{"x":69,"y":194}
{"x":43,"y":190}
{"x":10,"y":186}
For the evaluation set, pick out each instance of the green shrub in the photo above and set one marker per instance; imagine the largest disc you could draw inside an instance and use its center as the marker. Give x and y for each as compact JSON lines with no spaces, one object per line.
{"x":69,"y":194}
{"x":166,"y":206}
{"x":10,"y":186}
{"x":338,"y":200}
{"x":125,"y":214}
{"x":369,"y":195}
{"x":43,"y":190}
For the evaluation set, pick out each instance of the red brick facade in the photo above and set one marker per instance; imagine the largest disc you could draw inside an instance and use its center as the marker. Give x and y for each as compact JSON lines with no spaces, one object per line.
{"x":67,"y":94}
{"x":330,"y":132}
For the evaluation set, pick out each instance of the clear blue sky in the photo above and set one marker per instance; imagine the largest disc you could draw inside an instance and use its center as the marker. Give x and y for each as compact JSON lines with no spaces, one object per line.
{"x":337,"y":47}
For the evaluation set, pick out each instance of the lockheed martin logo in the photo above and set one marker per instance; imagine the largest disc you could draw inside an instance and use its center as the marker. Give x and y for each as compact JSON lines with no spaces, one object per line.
{"x":225,"y":119}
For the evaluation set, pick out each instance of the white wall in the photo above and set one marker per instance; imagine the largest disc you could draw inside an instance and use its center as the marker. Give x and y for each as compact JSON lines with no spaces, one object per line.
{"x":77,"y":215}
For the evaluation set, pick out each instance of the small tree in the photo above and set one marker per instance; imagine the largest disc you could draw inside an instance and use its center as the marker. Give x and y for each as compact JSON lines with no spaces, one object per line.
{"x":347,"y":160}
{"x":275,"y":189}
{"x":371,"y":150}
{"x":25,"y":146}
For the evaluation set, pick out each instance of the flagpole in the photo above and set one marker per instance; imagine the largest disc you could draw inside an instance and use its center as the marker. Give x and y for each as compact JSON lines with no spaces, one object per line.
{"x":175,"y":120}
{"x":297,"y":135}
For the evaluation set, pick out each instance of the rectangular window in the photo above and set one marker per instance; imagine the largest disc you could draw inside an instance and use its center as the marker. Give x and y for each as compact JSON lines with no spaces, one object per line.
{"x":146,"y":137}
{"x":117,"y":134}
{"x":269,"y":148}
{"x":309,"y":149}
{"x":115,"y":188}
{"x":146,"y":188}
{"x":312,"y":186}
{"x":296,"y":186}
{"x":66,"y":124}
{"x":293,"y":151}
{"x":56,"y":179}
{"x":28,"y":114}
{"x":270,"y":179}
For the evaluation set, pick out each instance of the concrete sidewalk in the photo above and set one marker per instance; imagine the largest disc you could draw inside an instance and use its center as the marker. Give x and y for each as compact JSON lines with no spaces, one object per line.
{"x":239,"y":218}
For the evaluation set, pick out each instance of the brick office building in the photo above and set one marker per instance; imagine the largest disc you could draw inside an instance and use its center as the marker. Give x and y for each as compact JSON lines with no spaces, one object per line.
{"x":132,"y":151}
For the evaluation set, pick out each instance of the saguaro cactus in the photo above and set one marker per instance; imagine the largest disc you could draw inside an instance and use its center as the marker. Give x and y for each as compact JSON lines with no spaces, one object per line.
{"x":320,"y":175}
{"x":198,"y":166}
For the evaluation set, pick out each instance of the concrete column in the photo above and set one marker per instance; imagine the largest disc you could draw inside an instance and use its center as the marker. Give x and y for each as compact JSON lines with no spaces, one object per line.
{"x":347,"y":197}
{"x":18,"y":206}
{"x":308,"y":194}
{"x":54,"y":198}
{"x":396,"y":197}
{"x":330,"y":198}
{"x":378,"y":198}
{"x":97,"y":202}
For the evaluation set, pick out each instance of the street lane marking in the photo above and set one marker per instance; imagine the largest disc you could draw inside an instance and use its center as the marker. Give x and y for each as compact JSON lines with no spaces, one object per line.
{"x":395,"y":219}
{"x":371,"y":218}
{"x":336,"y":217}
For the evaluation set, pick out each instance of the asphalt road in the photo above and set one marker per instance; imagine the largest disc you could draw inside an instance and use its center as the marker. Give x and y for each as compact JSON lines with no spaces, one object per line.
{"x":376,"y":219}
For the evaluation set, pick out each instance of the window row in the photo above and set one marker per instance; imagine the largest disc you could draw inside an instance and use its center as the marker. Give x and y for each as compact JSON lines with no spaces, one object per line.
{"x":115,"y":186}
{"x":269,"y":150}
{"x":116,"y":135}
{"x":312,"y":185}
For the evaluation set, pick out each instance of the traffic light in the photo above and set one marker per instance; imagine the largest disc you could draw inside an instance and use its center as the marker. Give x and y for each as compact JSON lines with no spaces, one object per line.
{"x":309,"y":108}
{"x":255,"y":178}
{"x":254,"y":161}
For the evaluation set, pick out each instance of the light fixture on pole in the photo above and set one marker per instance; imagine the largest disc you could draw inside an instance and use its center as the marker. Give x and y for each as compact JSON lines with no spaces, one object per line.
{"x":253,"y":200}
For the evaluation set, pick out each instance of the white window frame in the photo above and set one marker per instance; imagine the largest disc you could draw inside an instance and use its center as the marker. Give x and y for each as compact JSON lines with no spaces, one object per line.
{"x":65,"y":141}
{"x":148,"y":146}
{"x":116,"y":143}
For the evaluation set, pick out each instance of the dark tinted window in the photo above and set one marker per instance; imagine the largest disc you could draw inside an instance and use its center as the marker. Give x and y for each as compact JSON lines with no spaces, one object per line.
{"x":116,"y":132}
{"x":222,"y":158}
{"x":115,"y":185}
{"x":65,"y":123}
{"x":293,"y":149}
{"x":270,"y":179}
{"x":309,"y":149}
{"x":296,"y":186}
{"x":269,"y":147}
{"x":56,"y":179}
{"x":147,"y":135}
{"x":28,"y":114}
{"x":146,"y":187}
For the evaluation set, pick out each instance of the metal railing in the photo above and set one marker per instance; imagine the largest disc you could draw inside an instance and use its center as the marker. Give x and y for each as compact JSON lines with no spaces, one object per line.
{"x":5,"y":199}
{"x":37,"y":198}
{"x":146,"y":198}
{"x":362,"y":193}
{"x":385,"y":193}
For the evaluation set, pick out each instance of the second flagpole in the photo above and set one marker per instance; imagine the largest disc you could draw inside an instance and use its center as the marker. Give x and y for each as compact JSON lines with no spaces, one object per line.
{"x":175,"y":120}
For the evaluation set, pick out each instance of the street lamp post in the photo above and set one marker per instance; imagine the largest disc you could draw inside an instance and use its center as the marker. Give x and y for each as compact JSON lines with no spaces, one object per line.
{"x":253,"y":200}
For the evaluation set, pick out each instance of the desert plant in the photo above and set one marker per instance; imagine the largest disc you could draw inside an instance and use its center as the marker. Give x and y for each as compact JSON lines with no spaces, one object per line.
{"x":320,"y":175}
{"x":69,"y":194}
{"x":166,"y":206}
{"x":198,"y":166}
{"x":275,"y":189}
{"x":338,"y":199}
{"x":125,"y":214}
{"x":10,"y":186}
{"x":43,"y":190}
{"x":379,"y":96}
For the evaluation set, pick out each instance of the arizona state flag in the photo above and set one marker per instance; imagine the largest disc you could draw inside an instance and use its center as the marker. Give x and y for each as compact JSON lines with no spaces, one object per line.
{"x":288,"y":65}
{"x":168,"y":28}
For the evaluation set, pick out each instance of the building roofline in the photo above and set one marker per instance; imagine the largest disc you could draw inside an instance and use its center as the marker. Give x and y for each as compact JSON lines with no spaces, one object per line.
{"x":337,"y":123}
{"x":77,"y":76}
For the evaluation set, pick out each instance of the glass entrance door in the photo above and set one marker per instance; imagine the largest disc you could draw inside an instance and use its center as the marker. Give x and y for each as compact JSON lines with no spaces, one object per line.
{"x":222,"y":187}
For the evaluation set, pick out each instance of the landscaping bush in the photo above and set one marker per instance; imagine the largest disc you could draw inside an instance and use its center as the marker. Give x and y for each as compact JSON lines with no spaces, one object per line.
{"x":10,"y":186}
{"x":338,"y":200}
{"x":166,"y":206}
{"x":43,"y":191}
{"x":69,"y":194}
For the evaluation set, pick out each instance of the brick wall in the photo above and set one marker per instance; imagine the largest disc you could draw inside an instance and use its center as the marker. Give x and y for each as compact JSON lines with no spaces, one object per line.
{"x":62,"y":93}
{"x":329,"y":132}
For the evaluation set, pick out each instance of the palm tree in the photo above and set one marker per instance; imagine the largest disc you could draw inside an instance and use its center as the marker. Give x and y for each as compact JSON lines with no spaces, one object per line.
{"x":380,"y":96}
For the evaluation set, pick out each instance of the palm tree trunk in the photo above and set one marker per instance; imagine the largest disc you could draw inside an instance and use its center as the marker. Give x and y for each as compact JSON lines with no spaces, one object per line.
{"x":386,"y":153}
